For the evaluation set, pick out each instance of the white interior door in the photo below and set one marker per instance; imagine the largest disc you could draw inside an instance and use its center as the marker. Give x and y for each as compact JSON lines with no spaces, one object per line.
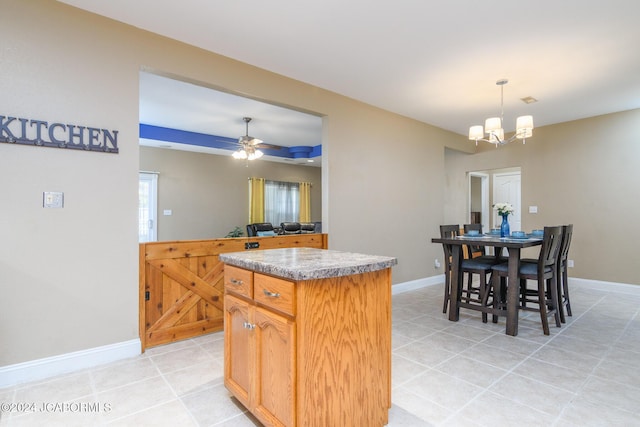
{"x":506,"y":189}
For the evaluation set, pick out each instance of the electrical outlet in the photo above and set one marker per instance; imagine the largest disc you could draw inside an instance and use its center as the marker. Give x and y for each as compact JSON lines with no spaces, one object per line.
{"x":570,"y":263}
{"x":52,"y":199}
{"x":436,"y":263}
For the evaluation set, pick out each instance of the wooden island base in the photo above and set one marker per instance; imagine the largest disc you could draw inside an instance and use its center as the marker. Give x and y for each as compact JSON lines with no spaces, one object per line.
{"x":313,"y":352}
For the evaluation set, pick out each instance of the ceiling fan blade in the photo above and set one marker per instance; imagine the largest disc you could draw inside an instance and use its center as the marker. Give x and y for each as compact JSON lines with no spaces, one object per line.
{"x":268,"y":146}
{"x":246,"y":139}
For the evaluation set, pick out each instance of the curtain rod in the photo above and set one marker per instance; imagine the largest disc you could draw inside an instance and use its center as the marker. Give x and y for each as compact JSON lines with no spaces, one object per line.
{"x":296,"y":182}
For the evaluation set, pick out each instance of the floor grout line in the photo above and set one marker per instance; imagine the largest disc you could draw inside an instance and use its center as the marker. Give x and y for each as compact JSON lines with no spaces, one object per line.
{"x":423,"y":307}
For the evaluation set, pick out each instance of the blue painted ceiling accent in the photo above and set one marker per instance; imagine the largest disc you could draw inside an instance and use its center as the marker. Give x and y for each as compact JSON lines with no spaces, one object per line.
{"x":221,"y":142}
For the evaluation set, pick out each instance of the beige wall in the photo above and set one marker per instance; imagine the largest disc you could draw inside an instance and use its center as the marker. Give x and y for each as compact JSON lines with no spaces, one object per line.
{"x":584,"y":172}
{"x":208,"y":194}
{"x":69,"y":276}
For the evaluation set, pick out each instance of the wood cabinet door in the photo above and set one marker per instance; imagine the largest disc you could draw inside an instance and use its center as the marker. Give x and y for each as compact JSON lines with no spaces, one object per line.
{"x":275,"y":390}
{"x":238,"y":350}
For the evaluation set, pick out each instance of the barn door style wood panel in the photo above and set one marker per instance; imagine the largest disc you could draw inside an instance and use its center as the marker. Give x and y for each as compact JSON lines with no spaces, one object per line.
{"x":182,"y":283}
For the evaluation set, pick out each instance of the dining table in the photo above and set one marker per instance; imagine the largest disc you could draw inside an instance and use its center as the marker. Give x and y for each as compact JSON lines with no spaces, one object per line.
{"x":514,"y":245}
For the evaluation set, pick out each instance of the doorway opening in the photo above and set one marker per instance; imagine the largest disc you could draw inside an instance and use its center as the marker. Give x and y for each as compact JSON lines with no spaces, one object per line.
{"x":492,"y":186}
{"x":200,"y":125}
{"x":479,"y":199}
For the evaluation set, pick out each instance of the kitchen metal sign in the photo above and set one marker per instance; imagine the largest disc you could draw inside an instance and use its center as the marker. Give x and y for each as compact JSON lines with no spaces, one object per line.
{"x":16,"y":130}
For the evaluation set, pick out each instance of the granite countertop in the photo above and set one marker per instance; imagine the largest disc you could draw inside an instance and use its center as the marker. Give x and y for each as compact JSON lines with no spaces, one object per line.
{"x":307,"y":263}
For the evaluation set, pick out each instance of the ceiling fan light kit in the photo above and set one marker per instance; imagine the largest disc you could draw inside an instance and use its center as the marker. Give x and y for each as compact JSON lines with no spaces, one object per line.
{"x":247,"y":154}
{"x":248,"y":150}
{"x":493,"y":125}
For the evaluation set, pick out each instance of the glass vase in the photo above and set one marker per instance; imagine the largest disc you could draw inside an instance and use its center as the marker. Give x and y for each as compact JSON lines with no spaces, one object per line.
{"x":504,"y":227}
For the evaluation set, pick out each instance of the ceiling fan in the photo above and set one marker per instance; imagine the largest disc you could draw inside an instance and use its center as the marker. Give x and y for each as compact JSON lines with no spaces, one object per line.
{"x":249,"y":146}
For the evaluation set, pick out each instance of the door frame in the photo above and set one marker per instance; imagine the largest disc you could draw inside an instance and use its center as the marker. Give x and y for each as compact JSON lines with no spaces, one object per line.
{"x":484,"y":188}
{"x":152,"y":178}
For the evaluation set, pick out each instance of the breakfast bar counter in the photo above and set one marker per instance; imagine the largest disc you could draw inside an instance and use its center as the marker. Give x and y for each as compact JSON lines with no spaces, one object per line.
{"x":308,"y":336}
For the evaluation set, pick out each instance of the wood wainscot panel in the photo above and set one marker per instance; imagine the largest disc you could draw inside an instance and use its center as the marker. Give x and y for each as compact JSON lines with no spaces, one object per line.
{"x":181,"y":283}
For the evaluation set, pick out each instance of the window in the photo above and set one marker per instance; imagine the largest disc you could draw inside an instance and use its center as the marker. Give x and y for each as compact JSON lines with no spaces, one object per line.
{"x":281,"y":202}
{"x":147,"y":207}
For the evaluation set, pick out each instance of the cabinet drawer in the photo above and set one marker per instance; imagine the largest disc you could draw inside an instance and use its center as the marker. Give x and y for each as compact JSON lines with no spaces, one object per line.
{"x":276,"y":293}
{"x":238,"y":281}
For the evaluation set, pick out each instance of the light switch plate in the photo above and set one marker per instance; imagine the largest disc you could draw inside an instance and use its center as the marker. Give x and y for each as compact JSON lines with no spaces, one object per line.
{"x":53,"y":199}
{"x":167,"y":212}
{"x":533,"y":209}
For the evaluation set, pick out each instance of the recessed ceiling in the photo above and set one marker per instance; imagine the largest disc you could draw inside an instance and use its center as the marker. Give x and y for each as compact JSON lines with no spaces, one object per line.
{"x":186,"y":106}
{"x":436,"y":62}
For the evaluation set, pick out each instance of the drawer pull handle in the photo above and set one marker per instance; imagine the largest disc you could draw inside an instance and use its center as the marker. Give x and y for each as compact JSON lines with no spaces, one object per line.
{"x":248,"y":325}
{"x":271,"y":294}
{"x":236,"y":281}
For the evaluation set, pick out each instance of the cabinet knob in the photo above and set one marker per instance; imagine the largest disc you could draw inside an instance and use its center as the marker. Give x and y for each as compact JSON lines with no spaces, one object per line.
{"x":235,"y":281}
{"x":248,"y":325}
{"x":271,"y":294}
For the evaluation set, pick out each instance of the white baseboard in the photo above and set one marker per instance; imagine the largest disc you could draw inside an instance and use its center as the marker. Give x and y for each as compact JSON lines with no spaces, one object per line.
{"x":417,"y":284}
{"x":56,"y":365}
{"x":625,"y":288}
{"x":64,"y":363}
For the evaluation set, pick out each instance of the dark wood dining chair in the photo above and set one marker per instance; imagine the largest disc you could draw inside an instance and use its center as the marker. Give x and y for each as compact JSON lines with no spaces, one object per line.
{"x":562,"y":274}
{"x":470,"y":294}
{"x":447,"y":231}
{"x":476,"y":251}
{"x":563,"y":279}
{"x":544,"y":272}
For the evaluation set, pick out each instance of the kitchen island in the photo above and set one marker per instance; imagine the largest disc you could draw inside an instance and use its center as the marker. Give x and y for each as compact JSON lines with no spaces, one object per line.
{"x":308,"y":336}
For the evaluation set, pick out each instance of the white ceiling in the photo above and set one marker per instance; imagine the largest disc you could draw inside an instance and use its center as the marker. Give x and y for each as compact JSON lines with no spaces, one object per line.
{"x":182,"y":105}
{"x":436,"y":62}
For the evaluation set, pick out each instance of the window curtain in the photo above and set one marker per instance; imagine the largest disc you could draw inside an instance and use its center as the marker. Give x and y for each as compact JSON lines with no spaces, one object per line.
{"x":281,"y":202}
{"x":305,"y":201}
{"x":256,"y":200}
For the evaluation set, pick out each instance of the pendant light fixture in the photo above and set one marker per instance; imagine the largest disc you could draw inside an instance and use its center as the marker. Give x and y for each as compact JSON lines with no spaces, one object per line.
{"x":493,"y":126}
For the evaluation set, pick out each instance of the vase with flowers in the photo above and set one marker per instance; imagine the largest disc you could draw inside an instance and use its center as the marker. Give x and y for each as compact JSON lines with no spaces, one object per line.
{"x":504,"y":210}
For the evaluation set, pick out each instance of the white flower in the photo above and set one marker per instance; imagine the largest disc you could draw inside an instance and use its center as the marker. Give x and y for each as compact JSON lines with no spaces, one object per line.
{"x":503,"y":208}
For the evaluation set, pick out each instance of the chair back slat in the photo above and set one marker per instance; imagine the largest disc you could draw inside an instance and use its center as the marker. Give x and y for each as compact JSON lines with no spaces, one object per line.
{"x":550,"y":247}
{"x":567,"y":233}
{"x":474,"y":249}
{"x":447,"y":231}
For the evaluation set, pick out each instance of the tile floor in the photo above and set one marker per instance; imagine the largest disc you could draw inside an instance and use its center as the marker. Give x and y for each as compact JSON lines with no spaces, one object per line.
{"x":464,"y":373}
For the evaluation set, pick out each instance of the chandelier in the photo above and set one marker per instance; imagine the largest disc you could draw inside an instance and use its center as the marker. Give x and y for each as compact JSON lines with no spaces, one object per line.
{"x":248,"y":150}
{"x":493,"y":126}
